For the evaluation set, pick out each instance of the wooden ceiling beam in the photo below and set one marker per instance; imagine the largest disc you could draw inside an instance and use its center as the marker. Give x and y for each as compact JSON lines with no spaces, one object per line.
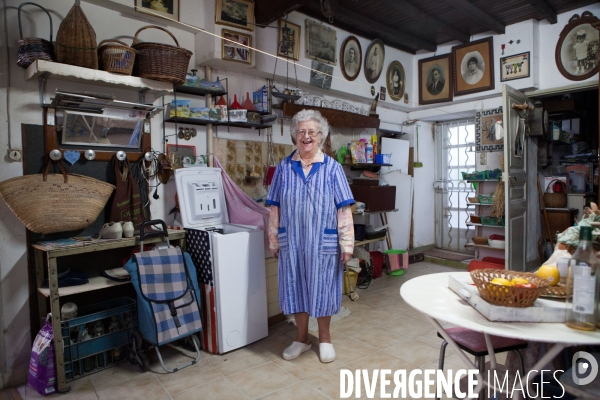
{"x":268,"y":11}
{"x":543,"y":6}
{"x":435,"y":25}
{"x":481,"y":17}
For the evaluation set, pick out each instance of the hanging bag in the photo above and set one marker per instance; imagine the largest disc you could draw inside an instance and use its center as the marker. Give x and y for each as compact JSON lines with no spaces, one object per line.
{"x":31,"y":49}
{"x":127,"y":202}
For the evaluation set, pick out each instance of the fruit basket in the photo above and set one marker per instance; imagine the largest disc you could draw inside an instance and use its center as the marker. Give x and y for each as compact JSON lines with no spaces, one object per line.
{"x":508,"y":296}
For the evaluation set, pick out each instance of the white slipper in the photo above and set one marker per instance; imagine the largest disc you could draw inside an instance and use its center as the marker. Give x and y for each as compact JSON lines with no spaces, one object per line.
{"x":326,"y":352}
{"x":295,"y":349}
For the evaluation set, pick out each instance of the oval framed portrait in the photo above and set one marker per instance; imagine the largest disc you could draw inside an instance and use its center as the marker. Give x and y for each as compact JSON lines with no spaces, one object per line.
{"x":374,"y":57}
{"x":351,"y":58}
{"x":395,"y":80}
{"x":577,"y":48}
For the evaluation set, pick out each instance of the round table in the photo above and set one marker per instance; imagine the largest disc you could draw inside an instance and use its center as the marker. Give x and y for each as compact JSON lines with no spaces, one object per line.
{"x":431,"y":295}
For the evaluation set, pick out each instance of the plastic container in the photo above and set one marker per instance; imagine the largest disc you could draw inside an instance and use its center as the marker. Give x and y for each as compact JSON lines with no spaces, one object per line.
{"x":494,"y":260}
{"x":576,"y":182}
{"x":396,"y":259}
{"x":353,"y":278}
{"x":369,"y":153}
{"x":377,"y":259}
{"x":563,"y":266}
{"x":481,"y":264}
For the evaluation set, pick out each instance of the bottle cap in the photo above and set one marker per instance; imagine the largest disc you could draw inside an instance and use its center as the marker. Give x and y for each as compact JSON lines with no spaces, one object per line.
{"x":585,"y":233}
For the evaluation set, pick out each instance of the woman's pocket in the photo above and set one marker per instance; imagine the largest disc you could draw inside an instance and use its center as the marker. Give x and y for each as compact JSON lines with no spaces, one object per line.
{"x":282,"y":238}
{"x":330,"y":242}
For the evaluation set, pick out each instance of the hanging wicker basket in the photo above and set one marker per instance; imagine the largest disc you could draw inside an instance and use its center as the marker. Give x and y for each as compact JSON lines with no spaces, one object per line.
{"x":31,"y":49}
{"x":48,"y":203}
{"x":160,"y":62}
{"x":556,"y":200}
{"x":76,"y":40}
{"x":116,"y":57}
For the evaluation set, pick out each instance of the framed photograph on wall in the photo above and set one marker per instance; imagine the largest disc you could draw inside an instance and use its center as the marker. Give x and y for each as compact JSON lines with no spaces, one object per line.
{"x":320,"y":42}
{"x":514,"y":67}
{"x":236,"y":13}
{"x":374,"y":57}
{"x":577,"y":48}
{"x":473,"y":67}
{"x":350,"y":58}
{"x":163,"y":8}
{"x":488,"y":130}
{"x":395,"y":80}
{"x":288,"y":40}
{"x":321,"y":75}
{"x":233,"y":47}
{"x":435,"y":79}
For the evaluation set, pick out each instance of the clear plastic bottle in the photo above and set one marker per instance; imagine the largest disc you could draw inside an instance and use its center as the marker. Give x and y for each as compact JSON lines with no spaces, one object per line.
{"x":369,"y":153}
{"x":582,"y":284}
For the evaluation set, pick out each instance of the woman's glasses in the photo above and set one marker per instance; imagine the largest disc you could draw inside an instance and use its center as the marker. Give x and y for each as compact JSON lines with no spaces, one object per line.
{"x":311,"y":133}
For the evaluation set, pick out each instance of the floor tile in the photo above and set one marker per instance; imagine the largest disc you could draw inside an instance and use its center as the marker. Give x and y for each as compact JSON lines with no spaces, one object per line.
{"x":380,"y":360}
{"x":144,"y":388}
{"x":414,"y":352}
{"x":262,"y":380}
{"x":307,"y":365}
{"x":299,"y":391}
{"x":327,"y":383}
{"x":216,"y":390}
{"x":379,"y":337}
{"x":349,"y":348}
{"x":189,"y":377}
{"x":116,"y":375}
{"x":409,"y":326}
{"x":236,"y":361}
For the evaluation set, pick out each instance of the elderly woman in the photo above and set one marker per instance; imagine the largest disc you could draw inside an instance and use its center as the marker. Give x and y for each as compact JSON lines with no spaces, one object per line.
{"x":311,"y":232}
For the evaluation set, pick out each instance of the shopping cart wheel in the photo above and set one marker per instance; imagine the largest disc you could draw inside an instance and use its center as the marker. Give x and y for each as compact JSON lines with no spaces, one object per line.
{"x":136,"y":340}
{"x":131,"y":356}
{"x":144,"y":362}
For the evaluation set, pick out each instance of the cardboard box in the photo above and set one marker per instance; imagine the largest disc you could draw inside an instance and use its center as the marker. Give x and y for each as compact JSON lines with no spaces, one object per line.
{"x":376,"y":198}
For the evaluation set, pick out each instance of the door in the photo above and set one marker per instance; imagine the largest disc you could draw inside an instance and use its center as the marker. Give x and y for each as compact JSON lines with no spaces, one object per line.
{"x":515,"y":178}
{"x":455,"y":154}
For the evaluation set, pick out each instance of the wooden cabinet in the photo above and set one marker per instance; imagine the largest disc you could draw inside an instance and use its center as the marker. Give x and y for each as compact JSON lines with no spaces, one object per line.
{"x":47,"y":260}
{"x":559,"y":219}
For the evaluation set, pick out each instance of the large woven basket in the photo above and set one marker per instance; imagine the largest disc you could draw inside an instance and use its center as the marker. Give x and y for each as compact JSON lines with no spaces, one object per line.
{"x":47,"y":203}
{"x":31,"y":49}
{"x":159,"y":61}
{"x":116,"y":57}
{"x":507,"y":296}
{"x":76,"y":40}
{"x":556,"y":200}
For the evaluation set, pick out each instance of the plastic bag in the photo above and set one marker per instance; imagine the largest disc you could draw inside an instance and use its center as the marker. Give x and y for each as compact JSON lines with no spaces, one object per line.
{"x":42,"y":375}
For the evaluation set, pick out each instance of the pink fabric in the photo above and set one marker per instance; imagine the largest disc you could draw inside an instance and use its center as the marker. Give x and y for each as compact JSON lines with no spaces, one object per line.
{"x":242,"y":208}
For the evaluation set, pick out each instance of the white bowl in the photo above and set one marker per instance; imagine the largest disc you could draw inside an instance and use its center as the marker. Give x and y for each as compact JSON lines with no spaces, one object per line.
{"x":498,"y":244}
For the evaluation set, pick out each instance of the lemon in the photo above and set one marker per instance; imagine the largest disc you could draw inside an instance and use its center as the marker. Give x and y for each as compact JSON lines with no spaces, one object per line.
{"x":518,"y":281}
{"x":501,"y":281}
{"x":550,"y":273}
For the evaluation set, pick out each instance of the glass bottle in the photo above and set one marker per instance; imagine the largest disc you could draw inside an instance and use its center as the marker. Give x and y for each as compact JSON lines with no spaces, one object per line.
{"x":582,"y":288}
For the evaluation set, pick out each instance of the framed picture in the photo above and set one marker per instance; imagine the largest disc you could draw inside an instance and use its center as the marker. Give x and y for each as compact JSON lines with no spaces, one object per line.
{"x":382,"y":93}
{"x":288,"y":40}
{"x":374,"y":57}
{"x":234,"y":47}
{"x":163,"y":8}
{"x":350,"y":58}
{"x":320,"y":42}
{"x":435,"y":79}
{"x":473,"y":67}
{"x":321,"y":75}
{"x":236,"y":13}
{"x":395,"y":80}
{"x":177,"y":152}
{"x":577,"y":48}
{"x":488,"y":127}
{"x":514,"y":67}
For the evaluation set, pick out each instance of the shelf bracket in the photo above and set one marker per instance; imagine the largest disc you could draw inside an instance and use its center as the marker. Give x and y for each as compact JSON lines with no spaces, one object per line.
{"x":142,"y":95}
{"x":42,"y":86}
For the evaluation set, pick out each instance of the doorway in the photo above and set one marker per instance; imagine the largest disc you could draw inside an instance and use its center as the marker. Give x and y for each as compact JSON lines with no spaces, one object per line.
{"x":455,"y":154}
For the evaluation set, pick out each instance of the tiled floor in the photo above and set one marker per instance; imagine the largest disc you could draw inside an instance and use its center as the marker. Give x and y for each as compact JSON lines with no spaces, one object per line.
{"x":381,"y":332}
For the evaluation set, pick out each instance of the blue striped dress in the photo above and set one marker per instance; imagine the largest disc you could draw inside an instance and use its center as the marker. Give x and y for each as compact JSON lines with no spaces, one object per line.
{"x":310,"y":269}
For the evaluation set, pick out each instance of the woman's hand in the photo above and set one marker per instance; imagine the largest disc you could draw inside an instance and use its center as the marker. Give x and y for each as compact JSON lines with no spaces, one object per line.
{"x":346,"y":257}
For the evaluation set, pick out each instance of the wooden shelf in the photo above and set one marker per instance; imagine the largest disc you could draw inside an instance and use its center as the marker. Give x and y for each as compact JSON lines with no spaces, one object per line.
{"x":196,"y":91}
{"x":485,"y":226}
{"x":86,"y":75}
{"x":363,"y":242}
{"x":336,"y":118}
{"x":95,"y":283}
{"x":482,"y":246}
{"x":196,"y":121}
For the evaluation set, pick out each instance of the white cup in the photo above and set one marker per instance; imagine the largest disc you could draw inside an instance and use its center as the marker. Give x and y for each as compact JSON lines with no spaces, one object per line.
{"x":563,"y":266}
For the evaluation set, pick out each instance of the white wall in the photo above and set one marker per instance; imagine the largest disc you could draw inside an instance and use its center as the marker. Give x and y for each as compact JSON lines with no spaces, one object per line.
{"x":19,"y":104}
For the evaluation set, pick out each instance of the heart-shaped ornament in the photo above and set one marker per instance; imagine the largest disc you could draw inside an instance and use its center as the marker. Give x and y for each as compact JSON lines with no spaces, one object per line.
{"x":72,"y":156}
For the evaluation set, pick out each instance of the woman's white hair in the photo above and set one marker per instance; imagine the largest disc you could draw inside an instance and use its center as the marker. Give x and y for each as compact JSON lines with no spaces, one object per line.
{"x":310,"y":115}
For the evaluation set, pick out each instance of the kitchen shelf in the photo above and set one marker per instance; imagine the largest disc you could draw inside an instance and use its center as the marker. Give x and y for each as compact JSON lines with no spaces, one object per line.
{"x":44,"y":69}
{"x":482,"y":246}
{"x":196,"y":91}
{"x":95,"y":283}
{"x":486,"y":226}
{"x":196,"y":121}
{"x":336,"y":118}
{"x":477,"y":204}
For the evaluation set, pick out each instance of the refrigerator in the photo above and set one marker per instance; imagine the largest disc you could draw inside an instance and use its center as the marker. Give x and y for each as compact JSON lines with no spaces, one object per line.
{"x":229,"y":259}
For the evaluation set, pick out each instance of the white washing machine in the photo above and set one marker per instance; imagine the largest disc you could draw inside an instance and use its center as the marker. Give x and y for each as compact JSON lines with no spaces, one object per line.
{"x":230,"y":261}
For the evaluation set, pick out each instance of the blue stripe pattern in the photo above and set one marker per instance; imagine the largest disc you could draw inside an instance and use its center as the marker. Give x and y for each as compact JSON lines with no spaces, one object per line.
{"x":310,"y":269}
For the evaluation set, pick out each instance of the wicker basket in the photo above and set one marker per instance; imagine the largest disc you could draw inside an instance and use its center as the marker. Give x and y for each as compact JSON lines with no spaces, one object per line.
{"x":31,"y":49}
{"x":47,"y":203}
{"x":160,"y":62}
{"x":507,"y":296}
{"x":116,"y":58}
{"x":556,"y":200}
{"x":473,"y":199}
{"x":480,"y":240}
{"x":475,"y":219}
{"x":76,"y":40}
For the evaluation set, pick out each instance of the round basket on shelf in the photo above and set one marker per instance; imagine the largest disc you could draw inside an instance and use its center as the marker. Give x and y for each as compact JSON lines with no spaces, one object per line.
{"x":508,"y":296}
{"x":475,"y":219}
{"x":473,"y":199}
{"x":116,"y":57}
{"x":480,"y":240}
{"x":556,"y":200}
